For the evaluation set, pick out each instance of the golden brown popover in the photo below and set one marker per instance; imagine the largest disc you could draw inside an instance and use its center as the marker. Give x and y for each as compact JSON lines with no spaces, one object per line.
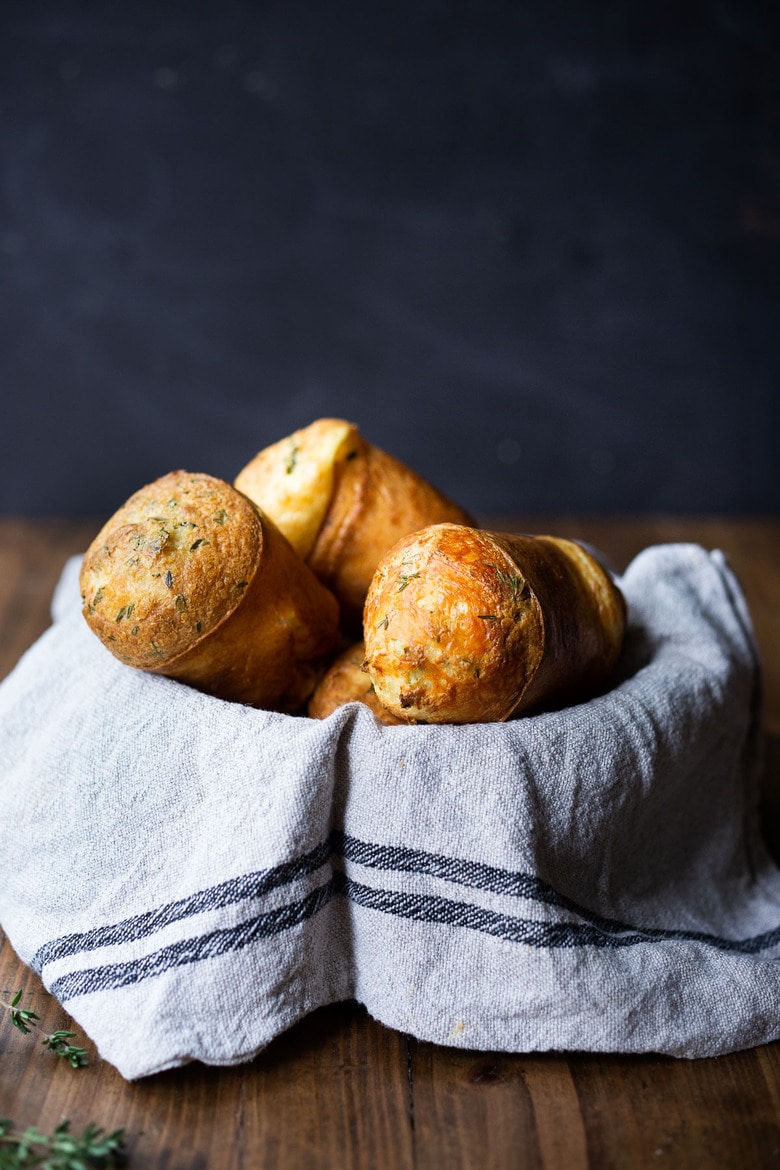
{"x":346,"y":681}
{"x":189,"y":579}
{"x":463,"y":625}
{"x":342,"y":503}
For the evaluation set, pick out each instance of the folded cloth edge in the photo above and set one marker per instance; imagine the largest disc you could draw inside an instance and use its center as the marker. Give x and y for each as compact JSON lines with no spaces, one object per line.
{"x":381,"y":1005}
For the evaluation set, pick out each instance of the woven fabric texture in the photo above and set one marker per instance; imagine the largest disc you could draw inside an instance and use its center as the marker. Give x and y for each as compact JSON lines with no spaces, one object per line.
{"x":190,"y":877}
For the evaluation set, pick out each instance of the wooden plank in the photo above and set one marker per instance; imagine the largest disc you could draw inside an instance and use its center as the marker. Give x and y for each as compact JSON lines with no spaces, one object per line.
{"x":706,"y":1114}
{"x":554,"y":1112}
{"x":32,"y":556}
{"x":321,"y":1096}
{"x":339,"y":1085}
{"x":495,"y":1111}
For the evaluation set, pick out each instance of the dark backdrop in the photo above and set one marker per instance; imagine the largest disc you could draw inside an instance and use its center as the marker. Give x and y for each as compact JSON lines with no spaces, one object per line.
{"x":532,"y":249}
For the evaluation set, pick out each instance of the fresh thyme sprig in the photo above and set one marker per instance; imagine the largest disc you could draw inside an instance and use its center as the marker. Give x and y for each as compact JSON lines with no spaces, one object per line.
{"x":60,"y":1150}
{"x":58,"y":1042}
{"x":95,"y":1149}
{"x":20,"y":1017}
{"x":25,"y":1021}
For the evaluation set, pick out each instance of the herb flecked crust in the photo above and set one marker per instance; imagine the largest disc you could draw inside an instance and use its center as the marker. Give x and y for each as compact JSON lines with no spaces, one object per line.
{"x":154,"y":579}
{"x":191,"y":580}
{"x":467,"y":626}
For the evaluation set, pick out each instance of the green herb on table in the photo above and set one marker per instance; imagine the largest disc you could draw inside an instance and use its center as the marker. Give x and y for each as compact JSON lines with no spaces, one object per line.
{"x":60,"y":1150}
{"x":25,"y":1020}
{"x":20,"y":1017}
{"x":58,"y":1042}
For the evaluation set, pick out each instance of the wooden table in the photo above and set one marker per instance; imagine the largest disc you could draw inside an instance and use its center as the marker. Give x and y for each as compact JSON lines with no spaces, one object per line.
{"x":339,"y":1090}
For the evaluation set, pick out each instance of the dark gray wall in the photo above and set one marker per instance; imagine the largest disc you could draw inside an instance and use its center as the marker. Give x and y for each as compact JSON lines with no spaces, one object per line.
{"x":530,"y":248}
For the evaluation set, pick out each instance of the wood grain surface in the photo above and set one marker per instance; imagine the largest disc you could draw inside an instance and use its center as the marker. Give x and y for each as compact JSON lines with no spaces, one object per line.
{"x":340,"y":1090}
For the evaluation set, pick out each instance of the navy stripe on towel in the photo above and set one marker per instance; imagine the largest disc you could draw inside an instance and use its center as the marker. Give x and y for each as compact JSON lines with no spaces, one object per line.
{"x":532,"y":933}
{"x":593,"y":930}
{"x":192,"y":950}
{"x":228,"y":893}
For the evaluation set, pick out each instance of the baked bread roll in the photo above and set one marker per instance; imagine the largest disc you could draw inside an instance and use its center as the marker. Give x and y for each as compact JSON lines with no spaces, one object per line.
{"x":466,"y":626}
{"x":346,"y":681}
{"x":190,"y":580}
{"x":342,"y":503}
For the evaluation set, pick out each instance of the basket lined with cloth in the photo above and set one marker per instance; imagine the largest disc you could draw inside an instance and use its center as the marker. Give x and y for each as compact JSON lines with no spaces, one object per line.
{"x":191,"y":876}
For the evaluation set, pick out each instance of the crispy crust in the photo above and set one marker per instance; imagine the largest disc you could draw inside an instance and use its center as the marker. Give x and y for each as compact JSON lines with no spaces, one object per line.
{"x":346,"y":681}
{"x":345,"y":502}
{"x":190,"y":580}
{"x":466,"y":626}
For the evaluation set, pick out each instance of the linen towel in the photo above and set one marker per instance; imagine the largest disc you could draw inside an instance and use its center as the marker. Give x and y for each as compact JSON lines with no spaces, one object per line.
{"x":190,"y":876}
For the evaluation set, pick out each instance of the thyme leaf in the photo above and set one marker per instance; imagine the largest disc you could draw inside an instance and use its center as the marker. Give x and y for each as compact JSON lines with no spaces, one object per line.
{"x":404,"y":579}
{"x":58,"y":1042}
{"x":515,"y":582}
{"x":159,"y":542}
{"x":25,"y":1020}
{"x":60,"y":1150}
{"x":20,"y":1017}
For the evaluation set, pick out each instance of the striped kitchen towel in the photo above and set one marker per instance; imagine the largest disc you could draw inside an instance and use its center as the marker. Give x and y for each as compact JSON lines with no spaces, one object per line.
{"x":190,"y":876}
